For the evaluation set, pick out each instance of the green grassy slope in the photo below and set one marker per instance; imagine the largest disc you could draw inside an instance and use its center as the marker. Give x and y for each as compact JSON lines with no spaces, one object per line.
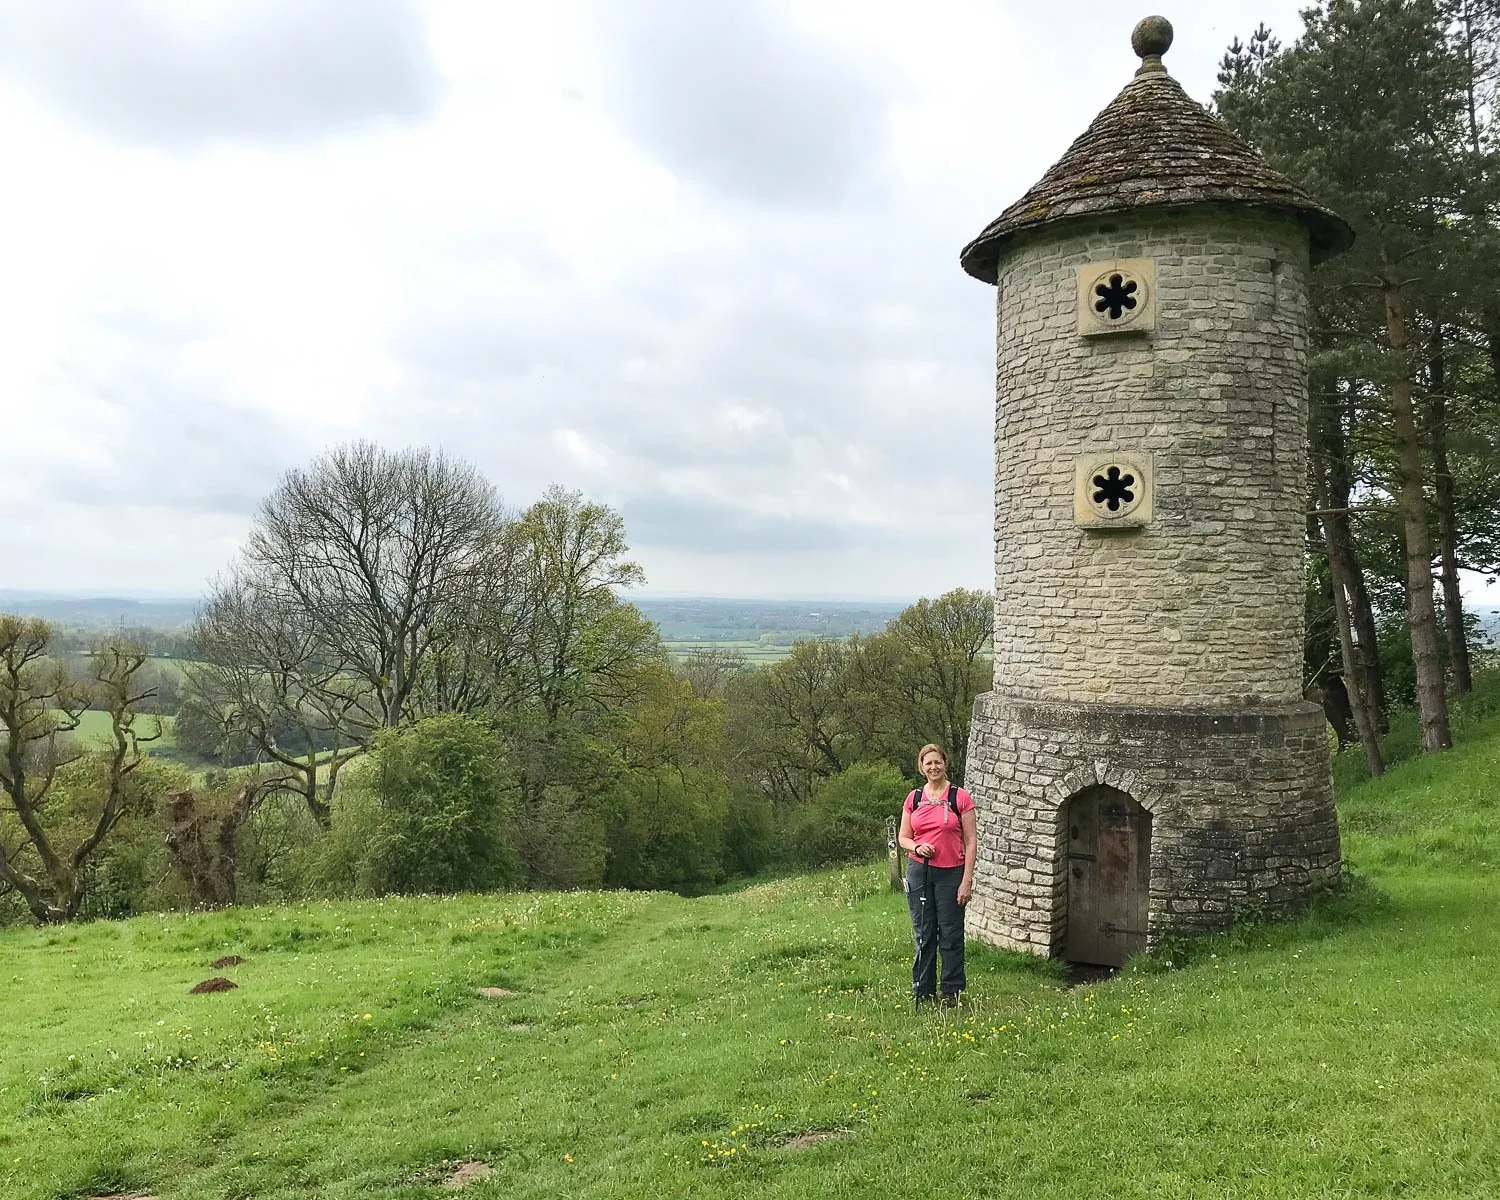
{"x":94,"y":730}
{"x":657,"y":1046}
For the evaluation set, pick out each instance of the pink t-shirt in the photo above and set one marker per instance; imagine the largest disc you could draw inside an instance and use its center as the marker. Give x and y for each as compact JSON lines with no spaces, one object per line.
{"x":933,"y":821}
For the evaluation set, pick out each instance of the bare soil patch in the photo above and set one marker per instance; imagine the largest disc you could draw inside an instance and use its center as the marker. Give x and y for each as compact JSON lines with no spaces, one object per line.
{"x":217,"y":984}
{"x":1083,"y":974}
{"x":466,"y":1173}
{"x":496,"y":993}
{"x":518,"y":1027}
{"x":229,"y":960}
{"x":812,"y":1137}
{"x":122,"y":1196}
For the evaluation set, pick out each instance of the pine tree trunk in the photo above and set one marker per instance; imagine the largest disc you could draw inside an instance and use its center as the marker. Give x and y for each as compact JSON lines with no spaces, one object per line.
{"x":1447,"y":517}
{"x":1320,"y":659}
{"x":1421,"y":614}
{"x":1364,"y":724}
{"x":1362,"y":623}
{"x":1331,"y":489}
{"x":1332,"y":448}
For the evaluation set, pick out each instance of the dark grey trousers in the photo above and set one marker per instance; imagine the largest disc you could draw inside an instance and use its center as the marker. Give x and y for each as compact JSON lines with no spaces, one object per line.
{"x":937,"y":921}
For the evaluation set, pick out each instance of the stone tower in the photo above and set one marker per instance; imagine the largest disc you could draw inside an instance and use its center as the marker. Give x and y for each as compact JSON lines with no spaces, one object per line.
{"x":1146,"y":763}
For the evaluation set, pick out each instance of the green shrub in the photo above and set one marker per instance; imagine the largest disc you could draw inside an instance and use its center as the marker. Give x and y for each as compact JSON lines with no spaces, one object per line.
{"x":131,"y":872}
{"x":439,"y":813}
{"x":665,"y":830}
{"x":844,"y":821}
{"x":279,"y":853}
{"x":343,"y":864}
{"x":750,"y":842}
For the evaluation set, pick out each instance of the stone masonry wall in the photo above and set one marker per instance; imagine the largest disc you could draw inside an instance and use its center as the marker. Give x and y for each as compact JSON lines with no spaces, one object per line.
{"x":1203,"y":606}
{"x":1164,"y":661}
{"x":1241,"y":804}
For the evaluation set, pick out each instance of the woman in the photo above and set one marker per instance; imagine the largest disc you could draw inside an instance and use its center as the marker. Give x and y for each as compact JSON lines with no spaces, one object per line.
{"x":937,"y":832}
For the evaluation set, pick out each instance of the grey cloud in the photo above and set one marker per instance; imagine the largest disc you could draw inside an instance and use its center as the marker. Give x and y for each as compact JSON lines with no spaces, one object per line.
{"x":847,"y":346}
{"x":702,"y":526}
{"x":183,"y":76}
{"x":698,"y":525}
{"x":794,"y":331}
{"x":555,"y":333}
{"x":725,"y":93}
{"x":174,"y":441}
{"x":191,"y":453}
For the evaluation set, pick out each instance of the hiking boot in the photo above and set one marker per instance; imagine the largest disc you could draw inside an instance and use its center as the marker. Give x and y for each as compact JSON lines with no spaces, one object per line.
{"x":919,"y":1001}
{"x":949,"y":1000}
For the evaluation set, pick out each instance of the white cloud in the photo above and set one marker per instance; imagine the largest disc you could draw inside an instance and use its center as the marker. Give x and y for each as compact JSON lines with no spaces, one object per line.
{"x":697,"y":259}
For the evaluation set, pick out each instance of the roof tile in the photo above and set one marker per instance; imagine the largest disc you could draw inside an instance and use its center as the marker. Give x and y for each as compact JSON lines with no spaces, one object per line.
{"x":1154,"y":146}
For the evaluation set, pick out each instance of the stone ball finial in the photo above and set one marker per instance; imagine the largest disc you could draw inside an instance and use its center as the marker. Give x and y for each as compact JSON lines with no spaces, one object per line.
{"x":1151,"y":39}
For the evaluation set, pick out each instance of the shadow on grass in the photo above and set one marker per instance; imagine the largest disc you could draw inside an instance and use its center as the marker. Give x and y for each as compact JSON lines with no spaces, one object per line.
{"x":989,"y":960}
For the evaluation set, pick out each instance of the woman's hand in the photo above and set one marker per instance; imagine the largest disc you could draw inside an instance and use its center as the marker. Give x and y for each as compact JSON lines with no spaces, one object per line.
{"x":923,"y":849}
{"x":965,"y":890}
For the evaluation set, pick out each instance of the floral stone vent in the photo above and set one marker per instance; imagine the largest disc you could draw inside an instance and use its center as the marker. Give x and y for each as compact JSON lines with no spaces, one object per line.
{"x":1117,"y":296}
{"x":1112,"y":491}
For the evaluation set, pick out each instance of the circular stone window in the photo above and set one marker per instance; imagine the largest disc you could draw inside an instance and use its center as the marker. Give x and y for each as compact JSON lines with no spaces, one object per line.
{"x":1117,"y":297}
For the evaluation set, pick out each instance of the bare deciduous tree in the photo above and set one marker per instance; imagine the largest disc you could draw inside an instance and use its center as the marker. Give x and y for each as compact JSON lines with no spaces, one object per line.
{"x":384,"y":552}
{"x":363,"y":599}
{"x":266,"y":676}
{"x":708,"y":669}
{"x":39,"y":703}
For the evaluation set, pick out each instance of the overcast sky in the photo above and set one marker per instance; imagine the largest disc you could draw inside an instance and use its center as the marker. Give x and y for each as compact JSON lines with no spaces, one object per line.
{"x":697,"y":258}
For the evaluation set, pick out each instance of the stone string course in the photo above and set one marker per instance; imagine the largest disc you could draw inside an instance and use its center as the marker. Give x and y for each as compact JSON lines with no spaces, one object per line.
{"x":1163,"y":661}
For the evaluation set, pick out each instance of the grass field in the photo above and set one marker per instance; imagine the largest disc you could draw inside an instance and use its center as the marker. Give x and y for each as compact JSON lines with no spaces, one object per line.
{"x":761,"y":1044}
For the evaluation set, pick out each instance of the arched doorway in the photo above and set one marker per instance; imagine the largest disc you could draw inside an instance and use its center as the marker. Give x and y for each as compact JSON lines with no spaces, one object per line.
{"x":1109,"y":876}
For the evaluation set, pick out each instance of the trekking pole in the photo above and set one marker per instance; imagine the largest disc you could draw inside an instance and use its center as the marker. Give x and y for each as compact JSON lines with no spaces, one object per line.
{"x":922,"y":922}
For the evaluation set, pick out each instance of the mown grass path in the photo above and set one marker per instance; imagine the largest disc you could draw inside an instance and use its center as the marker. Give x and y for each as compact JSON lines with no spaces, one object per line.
{"x":657,"y":1046}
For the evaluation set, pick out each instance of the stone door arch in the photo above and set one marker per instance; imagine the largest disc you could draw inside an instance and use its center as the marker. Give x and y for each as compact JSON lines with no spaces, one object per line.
{"x":1108,"y":837}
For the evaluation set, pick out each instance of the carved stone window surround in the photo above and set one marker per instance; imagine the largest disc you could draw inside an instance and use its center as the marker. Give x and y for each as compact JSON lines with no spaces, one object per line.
{"x":1117,"y":296}
{"x":1113,"y":490}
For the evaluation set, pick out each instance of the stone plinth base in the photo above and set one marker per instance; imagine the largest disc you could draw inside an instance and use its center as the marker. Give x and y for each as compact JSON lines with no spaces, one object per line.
{"x":1242,"y":818}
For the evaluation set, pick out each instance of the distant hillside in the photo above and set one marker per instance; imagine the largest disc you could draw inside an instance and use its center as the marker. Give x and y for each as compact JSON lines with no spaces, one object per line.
{"x":99,"y":611}
{"x":1489,"y":623}
{"x":699,"y":619}
{"x":691,"y":619}
{"x":682,"y":619}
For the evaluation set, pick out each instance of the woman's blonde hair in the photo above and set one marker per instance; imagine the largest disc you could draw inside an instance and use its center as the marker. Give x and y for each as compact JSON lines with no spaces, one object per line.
{"x":929,"y":749}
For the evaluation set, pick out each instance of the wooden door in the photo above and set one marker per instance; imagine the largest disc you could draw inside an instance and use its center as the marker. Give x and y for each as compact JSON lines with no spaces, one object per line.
{"x":1109,"y":877}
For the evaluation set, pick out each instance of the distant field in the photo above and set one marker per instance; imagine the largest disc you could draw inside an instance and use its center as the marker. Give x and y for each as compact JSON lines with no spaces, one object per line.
{"x":93,"y":727}
{"x":756,"y":653}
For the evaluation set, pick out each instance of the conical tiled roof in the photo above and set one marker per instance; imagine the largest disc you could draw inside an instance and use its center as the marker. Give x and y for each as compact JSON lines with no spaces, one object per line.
{"x":1154,"y":146}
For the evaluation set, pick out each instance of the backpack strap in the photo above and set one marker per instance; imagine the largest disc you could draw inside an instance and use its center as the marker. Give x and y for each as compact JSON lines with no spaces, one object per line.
{"x":951,"y":800}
